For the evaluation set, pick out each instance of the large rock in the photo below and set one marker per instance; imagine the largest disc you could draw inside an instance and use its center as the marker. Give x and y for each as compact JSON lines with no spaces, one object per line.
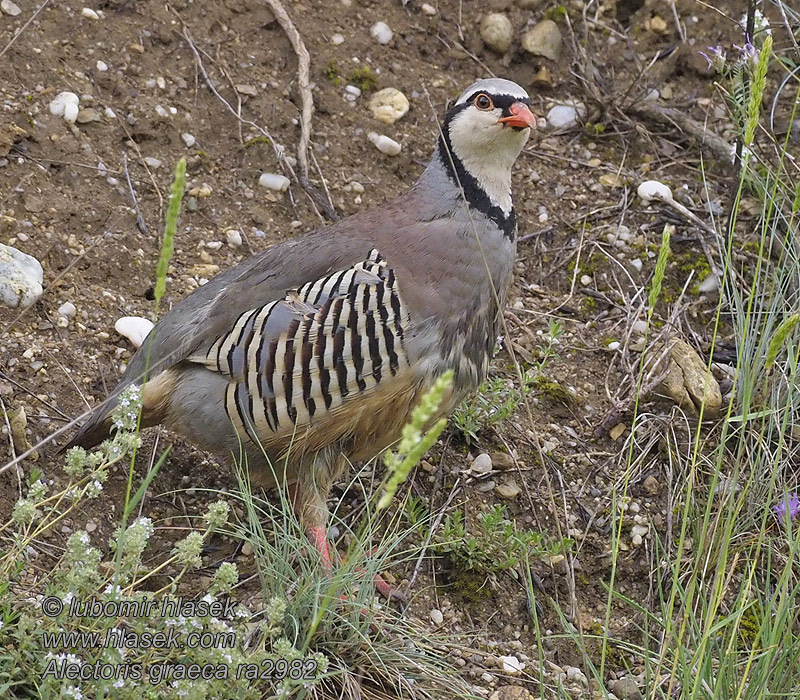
{"x":21,"y":278}
{"x":496,"y":32}
{"x":689,"y":383}
{"x":544,"y":39}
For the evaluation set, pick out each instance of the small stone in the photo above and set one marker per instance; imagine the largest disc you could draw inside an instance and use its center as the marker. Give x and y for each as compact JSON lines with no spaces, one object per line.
{"x":611,"y":180}
{"x":134,"y":328}
{"x":247,"y":549}
{"x":21,"y":278}
{"x":689,"y":383}
{"x":653,"y":189}
{"x":502,"y":461}
{"x":709,"y":284}
{"x":575,"y":675}
{"x":88,"y":115}
{"x":651,"y":485}
{"x":586,"y":280}
{"x":617,"y":431}
{"x":508,"y":490}
{"x":151,"y":162}
{"x":638,"y":533}
{"x":67,"y":309}
{"x":89,"y":13}
{"x":428,"y":9}
{"x":512,"y":692}
{"x":337,"y":39}
{"x":496,"y":32}
{"x":272,"y":181}
{"x":91,"y":526}
{"x":188,"y":139}
{"x":233,"y":237}
{"x":201,"y":192}
{"x":511,"y":664}
{"x":71,"y":112}
{"x":384,"y":144}
{"x":353,"y":91}
{"x":437,"y":618}
{"x":614,"y":345}
{"x":10,"y":8}
{"x":658,"y":25}
{"x":562,"y":117}
{"x":247,"y":90}
{"x":543,"y":39}
{"x":381,"y":32}
{"x":110,"y":113}
{"x":625,"y":689}
{"x":102,"y":66}
{"x":388,"y":105}
{"x":481,"y":466}
{"x":61,"y":100}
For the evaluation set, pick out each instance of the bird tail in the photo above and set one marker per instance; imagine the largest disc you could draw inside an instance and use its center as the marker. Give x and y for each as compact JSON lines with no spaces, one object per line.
{"x":97,"y":426}
{"x":155,"y":404}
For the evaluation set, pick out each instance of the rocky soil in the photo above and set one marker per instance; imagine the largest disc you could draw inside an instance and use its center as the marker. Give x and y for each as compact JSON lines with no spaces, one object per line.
{"x":83,"y":186}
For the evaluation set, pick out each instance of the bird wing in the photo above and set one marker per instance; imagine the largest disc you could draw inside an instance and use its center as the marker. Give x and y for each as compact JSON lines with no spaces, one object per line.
{"x":293,"y":360}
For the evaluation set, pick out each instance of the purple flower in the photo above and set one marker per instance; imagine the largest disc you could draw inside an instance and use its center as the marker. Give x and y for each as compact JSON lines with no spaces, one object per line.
{"x":716,"y":57}
{"x":790,"y":504}
{"x":749,"y":54}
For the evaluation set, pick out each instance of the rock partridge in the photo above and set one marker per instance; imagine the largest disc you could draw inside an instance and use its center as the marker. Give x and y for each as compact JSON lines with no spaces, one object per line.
{"x":312,"y":354}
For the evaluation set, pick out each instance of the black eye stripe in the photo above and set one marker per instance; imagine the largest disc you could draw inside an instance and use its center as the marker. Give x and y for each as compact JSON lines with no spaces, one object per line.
{"x":503,"y":101}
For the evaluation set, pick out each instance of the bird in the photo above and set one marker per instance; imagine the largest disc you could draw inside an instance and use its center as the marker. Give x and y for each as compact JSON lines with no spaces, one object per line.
{"x":311,"y":355}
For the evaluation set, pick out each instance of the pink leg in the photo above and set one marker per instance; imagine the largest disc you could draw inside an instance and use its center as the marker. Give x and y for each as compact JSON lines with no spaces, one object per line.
{"x":319,"y":538}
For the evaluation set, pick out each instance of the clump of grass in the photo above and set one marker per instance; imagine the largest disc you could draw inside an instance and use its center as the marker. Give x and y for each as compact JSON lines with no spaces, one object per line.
{"x":364,"y":78}
{"x":497,"y":544}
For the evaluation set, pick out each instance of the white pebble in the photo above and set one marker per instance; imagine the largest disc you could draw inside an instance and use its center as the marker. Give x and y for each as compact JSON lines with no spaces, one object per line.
{"x":188,"y":139}
{"x":614,"y":345}
{"x":102,"y":66}
{"x":437,"y":617}
{"x":337,"y":39}
{"x":214,"y":245}
{"x":10,"y":8}
{"x":161,"y":112}
{"x":67,"y":309}
{"x":562,"y":117}
{"x":586,"y":280}
{"x":388,"y":105}
{"x":151,"y":162}
{"x":637,"y":263}
{"x":233,"y":237}
{"x":653,"y":189}
{"x":70,"y":113}
{"x":89,"y":13}
{"x":353,"y":90}
{"x":384,"y":144}
{"x":381,"y":32}
{"x":279,"y":183}
{"x":110,"y":113}
{"x":61,"y":100}
{"x":428,"y":9}
{"x":21,"y":278}
{"x":134,"y":328}
{"x":512,"y":665}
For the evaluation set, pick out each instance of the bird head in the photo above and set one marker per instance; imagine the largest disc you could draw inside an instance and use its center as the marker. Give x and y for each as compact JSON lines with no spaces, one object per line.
{"x":484,"y":132}
{"x":492,"y":119}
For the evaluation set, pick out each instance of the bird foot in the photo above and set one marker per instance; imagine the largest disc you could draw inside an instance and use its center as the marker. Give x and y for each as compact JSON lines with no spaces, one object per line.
{"x":319,"y":539}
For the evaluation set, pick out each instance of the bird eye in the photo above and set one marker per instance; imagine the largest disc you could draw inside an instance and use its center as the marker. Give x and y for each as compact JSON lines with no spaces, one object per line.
{"x":484,"y":102}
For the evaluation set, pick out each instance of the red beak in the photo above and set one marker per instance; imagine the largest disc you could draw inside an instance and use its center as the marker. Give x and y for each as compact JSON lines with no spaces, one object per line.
{"x":521,"y":116}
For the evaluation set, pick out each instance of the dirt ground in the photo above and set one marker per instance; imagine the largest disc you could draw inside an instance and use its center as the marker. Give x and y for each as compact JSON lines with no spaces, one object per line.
{"x":586,"y":253}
